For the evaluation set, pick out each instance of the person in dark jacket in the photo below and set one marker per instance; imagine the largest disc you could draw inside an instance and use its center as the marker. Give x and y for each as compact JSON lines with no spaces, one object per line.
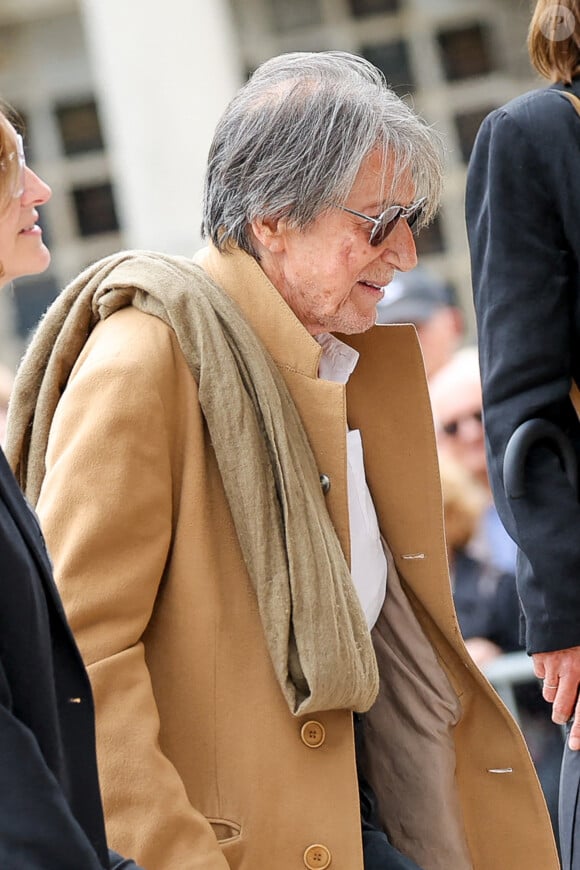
{"x":523,"y":196}
{"x":50,"y":807}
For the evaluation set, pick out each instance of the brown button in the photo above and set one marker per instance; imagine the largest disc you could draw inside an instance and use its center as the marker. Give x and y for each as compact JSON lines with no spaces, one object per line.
{"x":313,"y":734}
{"x":317,"y":857}
{"x":325,"y":483}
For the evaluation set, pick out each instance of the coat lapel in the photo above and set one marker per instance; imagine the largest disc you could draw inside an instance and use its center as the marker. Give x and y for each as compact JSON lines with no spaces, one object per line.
{"x":28,"y":526}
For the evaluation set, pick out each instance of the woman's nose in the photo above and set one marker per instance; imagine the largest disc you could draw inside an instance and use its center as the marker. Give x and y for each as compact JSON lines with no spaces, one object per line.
{"x":36,"y":191}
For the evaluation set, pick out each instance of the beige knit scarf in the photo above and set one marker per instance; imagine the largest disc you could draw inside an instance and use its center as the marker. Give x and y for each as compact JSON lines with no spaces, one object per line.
{"x":313,"y":623}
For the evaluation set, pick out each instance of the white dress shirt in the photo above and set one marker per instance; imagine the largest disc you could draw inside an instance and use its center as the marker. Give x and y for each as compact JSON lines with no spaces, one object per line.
{"x":368,"y":560}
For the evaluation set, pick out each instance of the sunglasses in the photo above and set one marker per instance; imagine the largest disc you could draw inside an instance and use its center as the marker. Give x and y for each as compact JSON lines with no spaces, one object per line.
{"x":19,"y":156}
{"x":386,"y":222}
{"x":452,"y":427}
{"x":22,"y":164}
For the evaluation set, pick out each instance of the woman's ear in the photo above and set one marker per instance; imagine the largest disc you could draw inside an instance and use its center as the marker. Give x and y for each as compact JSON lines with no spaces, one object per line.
{"x":270,"y":233}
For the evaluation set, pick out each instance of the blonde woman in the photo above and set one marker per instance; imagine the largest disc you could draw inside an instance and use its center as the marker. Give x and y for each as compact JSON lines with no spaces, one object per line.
{"x":50,"y":808}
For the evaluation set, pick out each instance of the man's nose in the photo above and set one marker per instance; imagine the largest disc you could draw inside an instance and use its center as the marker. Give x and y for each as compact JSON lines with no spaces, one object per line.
{"x":399,"y":247}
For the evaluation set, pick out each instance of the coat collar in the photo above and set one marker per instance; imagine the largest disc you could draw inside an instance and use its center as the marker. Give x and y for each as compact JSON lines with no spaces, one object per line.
{"x":289,"y":343}
{"x":26,"y":520}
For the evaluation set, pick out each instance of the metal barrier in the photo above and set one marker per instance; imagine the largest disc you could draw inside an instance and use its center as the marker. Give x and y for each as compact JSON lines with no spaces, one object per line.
{"x":507,"y":671}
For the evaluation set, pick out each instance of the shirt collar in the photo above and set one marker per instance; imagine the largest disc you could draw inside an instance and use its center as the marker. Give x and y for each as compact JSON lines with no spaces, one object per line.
{"x":338,"y":360}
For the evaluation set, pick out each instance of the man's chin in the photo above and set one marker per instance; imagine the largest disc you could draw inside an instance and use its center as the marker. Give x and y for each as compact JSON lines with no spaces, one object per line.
{"x":356,"y":325}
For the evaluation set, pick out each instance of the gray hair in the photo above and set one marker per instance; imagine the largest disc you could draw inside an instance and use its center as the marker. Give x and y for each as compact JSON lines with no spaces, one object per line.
{"x":291,"y":142}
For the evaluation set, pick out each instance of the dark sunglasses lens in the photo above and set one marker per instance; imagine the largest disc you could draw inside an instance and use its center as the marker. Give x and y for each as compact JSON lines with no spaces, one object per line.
{"x":452,"y":428}
{"x":413,"y":219}
{"x":382,"y":230}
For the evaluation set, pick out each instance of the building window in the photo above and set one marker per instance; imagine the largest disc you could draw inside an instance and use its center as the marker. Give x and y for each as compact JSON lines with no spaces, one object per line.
{"x":294,"y":14}
{"x":430,"y":239}
{"x":32,"y":296}
{"x":79,"y":126}
{"x":465,"y":52}
{"x":361,"y":8}
{"x":392,"y":58}
{"x":467,"y":125}
{"x":95,"y":209}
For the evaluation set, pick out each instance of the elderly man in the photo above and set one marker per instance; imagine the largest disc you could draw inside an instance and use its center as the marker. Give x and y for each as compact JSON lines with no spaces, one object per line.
{"x":245,"y":516}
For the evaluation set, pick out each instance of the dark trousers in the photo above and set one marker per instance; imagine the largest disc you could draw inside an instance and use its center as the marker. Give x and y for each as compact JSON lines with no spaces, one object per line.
{"x":569,"y":807}
{"x":377,"y":851}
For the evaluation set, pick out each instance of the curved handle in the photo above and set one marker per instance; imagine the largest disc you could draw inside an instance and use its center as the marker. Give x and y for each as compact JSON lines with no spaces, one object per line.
{"x":518,"y":447}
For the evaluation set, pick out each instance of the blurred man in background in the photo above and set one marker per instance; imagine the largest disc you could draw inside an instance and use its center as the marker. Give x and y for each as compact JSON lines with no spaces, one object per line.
{"x":423,"y":299}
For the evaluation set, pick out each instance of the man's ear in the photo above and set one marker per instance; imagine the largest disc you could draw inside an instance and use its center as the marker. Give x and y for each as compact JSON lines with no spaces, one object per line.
{"x":270,"y":233}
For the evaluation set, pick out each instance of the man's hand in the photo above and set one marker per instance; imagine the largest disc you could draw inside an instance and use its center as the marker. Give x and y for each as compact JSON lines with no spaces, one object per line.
{"x":560,"y":672}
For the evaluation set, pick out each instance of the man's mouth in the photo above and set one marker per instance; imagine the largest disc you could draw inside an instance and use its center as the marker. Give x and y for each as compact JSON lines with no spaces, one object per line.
{"x":372,"y":285}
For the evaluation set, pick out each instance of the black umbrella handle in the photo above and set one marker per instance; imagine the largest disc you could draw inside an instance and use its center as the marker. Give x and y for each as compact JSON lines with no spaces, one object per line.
{"x":525,"y":436}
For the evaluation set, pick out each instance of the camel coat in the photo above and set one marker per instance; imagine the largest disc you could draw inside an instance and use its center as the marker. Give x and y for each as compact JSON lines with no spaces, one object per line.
{"x":202,"y":765}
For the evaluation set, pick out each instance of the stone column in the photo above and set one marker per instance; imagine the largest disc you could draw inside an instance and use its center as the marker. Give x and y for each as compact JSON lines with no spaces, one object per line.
{"x":164,"y":72}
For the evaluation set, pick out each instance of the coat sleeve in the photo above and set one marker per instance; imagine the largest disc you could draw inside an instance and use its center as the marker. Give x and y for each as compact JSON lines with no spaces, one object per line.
{"x":37,"y":827}
{"x":523,"y":191}
{"x":106,"y":508}
{"x":117,"y":862}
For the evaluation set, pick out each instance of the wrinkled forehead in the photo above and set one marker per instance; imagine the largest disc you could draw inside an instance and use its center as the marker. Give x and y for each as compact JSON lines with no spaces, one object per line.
{"x":385,"y":178}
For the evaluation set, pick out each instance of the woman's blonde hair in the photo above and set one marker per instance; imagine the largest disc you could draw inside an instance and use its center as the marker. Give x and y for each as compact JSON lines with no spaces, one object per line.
{"x":554,"y":39}
{"x":9,"y":168}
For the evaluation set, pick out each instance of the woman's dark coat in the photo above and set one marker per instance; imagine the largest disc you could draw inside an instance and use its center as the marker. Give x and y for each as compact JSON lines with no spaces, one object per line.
{"x":50,"y":807}
{"x":523,"y":217}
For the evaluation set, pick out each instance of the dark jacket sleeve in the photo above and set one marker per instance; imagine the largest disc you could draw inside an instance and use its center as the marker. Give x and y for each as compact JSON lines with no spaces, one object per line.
{"x":523,"y":193}
{"x":117,"y":862}
{"x":37,"y":827}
